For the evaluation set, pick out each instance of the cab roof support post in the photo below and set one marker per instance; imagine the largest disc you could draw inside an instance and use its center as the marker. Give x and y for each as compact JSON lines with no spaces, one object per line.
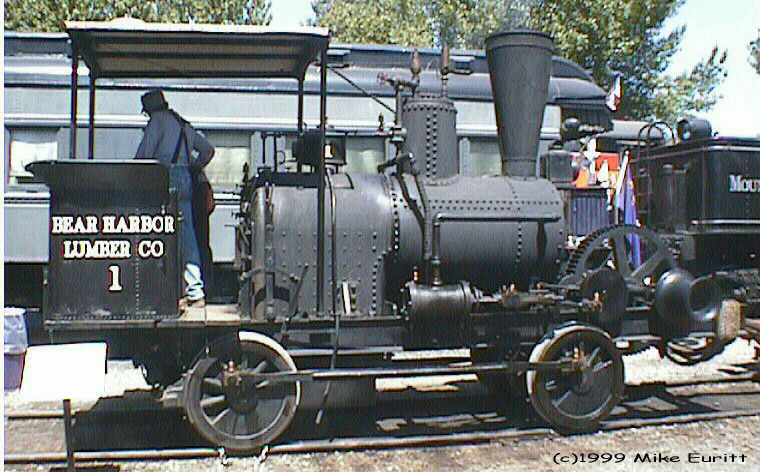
{"x":321,"y":182}
{"x":74,"y":86}
{"x":91,"y":141}
{"x":300,"y":104}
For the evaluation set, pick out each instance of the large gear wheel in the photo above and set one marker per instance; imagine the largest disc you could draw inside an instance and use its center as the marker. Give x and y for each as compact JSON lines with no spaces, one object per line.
{"x":638,"y":254}
{"x":618,"y":263}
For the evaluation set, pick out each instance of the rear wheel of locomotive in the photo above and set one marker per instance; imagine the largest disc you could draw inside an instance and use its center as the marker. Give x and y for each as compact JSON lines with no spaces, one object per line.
{"x":576,"y":402}
{"x":241,"y":419}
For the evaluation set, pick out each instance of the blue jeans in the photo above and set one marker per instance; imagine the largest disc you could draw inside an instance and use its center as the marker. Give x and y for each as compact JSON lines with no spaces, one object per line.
{"x":179,"y":178}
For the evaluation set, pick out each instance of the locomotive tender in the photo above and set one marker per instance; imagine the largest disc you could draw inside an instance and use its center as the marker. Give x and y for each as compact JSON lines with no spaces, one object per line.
{"x":339,"y":272}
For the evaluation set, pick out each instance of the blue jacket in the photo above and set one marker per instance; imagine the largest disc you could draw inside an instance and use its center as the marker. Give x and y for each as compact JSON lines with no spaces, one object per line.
{"x":160,"y":140}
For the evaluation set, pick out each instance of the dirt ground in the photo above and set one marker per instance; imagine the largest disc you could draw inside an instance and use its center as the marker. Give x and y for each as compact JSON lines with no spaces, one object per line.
{"x":738,"y":436}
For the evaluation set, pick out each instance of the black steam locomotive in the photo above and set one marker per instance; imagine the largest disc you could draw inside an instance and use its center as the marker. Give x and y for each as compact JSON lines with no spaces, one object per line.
{"x":338,"y":272}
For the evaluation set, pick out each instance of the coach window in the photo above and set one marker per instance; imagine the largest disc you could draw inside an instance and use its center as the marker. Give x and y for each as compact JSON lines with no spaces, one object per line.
{"x":484,"y":157}
{"x":232,"y":152}
{"x":29,"y":145}
{"x":363,"y":154}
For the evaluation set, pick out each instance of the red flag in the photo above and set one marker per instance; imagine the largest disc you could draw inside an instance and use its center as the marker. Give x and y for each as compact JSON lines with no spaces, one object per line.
{"x":614,"y":95}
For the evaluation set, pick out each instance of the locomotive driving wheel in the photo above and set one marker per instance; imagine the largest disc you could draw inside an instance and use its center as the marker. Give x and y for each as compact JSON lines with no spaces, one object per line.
{"x":241,"y":416}
{"x":576,"y":401}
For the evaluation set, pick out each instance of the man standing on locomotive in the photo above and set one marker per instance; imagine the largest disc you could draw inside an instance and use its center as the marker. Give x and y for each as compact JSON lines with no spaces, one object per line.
{"x":170,"y":139}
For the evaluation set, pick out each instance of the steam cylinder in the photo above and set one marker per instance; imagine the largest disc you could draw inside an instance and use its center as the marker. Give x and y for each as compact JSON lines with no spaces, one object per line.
{"x":519,"y":63}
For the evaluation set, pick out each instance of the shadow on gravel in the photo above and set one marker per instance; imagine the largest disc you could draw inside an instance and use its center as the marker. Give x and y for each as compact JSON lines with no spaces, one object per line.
{"x":89,"y":468}
{"x":656,"y":400}
{"x":466,"y":408}
{"x":132,"y":421}
{"x":743,"y":368}
{"x":135,"y":421}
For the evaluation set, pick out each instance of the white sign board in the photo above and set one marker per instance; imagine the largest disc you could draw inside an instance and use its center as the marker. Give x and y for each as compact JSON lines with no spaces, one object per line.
{"x":58,"y":372}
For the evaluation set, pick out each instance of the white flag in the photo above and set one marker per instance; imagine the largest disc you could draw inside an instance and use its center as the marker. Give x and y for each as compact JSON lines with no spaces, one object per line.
{"x":614,"y":95}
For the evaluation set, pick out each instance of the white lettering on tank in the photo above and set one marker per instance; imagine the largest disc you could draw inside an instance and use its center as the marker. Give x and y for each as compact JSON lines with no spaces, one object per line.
{"x":74,"y":224}
{"x":148,"y":248}
{"x":86,"y":249}
{"x":739,"y":184}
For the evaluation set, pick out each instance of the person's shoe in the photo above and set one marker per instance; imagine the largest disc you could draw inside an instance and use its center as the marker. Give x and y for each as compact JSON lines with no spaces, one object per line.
{"x":197,"y":303}
{"x":185,"y":303}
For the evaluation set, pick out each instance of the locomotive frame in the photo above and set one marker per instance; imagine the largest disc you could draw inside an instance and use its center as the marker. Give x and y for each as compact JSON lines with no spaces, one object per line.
{"x":241,"y":372}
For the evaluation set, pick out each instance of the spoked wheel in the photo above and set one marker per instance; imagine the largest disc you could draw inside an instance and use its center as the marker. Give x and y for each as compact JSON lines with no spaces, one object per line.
{"x":241,"y":416}
{"x":577,"y":401}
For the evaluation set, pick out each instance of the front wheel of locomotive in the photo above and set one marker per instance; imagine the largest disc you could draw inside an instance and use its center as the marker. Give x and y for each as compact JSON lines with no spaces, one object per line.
{"x":241,"y":416}
{"x":576,"y":402}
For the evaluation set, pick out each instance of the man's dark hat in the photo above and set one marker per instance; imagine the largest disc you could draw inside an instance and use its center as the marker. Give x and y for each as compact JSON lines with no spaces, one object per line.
{"x":154,"y":101}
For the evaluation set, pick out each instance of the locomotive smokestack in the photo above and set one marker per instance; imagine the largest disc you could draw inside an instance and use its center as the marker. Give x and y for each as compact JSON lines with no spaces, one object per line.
{"x":519,"y":63}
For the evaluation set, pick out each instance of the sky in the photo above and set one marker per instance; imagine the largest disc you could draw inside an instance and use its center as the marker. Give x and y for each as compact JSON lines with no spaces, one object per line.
{"x":729,"y":24}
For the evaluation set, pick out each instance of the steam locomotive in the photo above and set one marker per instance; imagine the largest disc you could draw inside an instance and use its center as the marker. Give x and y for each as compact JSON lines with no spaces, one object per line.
{"x":338,"y":272}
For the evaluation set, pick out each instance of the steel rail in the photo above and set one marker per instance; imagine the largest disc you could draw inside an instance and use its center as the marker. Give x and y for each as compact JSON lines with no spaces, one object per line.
{"x":367,"y":442}
{"x":743,"y":378}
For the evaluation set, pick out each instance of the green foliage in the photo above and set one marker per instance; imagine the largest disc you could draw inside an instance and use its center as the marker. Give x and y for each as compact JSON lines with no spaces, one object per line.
{"x":625,"y":38}
{"x":609,"y":38}
{"x":375,"y":21}
{"x":754,"y":53}
{"x":50,"y":15}
{"x":458,"y":23}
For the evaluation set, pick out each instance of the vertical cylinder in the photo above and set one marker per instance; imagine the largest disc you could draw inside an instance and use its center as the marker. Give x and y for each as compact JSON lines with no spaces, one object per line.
{"x":519,"y":63}
{"x":431,"y":126}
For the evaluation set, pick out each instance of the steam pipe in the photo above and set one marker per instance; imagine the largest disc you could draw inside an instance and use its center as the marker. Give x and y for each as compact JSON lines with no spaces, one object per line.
{"x":333,"y":245}
{"x":424,"y":218}
{"x":427,"y":227}
{"x":321,"y":182}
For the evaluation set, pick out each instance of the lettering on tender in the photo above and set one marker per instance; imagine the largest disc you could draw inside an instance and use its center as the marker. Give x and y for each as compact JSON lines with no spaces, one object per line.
{"x":111,"y":224}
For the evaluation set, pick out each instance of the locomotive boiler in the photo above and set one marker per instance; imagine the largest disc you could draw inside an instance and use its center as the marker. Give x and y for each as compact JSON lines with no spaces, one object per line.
{"x":340,"y":271}
{"x":421,"y":216}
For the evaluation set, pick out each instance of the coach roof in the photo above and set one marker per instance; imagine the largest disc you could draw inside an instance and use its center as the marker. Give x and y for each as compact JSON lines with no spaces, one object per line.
{"x":132,"y":48}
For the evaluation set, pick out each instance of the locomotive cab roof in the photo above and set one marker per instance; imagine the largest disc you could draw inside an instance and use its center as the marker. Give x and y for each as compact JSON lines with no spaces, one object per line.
{"x":130,"y":48}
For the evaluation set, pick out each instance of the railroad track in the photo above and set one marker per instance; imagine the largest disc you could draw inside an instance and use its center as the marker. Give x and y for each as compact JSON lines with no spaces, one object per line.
{"x":405,"y":422}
